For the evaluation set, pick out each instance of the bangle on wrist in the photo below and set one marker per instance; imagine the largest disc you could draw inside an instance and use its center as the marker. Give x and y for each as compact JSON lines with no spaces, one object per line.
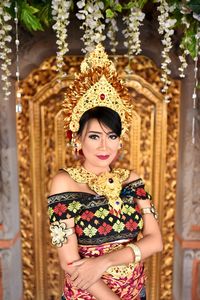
{"x":149,"y":210}
{"x":137,"y":252}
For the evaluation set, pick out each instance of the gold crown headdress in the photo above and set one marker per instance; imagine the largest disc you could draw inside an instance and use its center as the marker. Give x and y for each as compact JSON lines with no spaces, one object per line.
{"x":96,"y":85}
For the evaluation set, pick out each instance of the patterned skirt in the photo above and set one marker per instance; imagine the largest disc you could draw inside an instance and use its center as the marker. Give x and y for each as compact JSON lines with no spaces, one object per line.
{"x":126,"y":281}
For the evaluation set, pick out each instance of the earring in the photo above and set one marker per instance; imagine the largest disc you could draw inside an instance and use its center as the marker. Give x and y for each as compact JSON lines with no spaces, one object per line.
{"x":120,"y":145}
{"x":121,"y":152}
{"x":77,"y":149}
{"x":77,"y":146}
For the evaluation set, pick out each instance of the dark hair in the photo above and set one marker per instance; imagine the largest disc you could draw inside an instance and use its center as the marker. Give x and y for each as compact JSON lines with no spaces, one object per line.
{"x":105,"y":116}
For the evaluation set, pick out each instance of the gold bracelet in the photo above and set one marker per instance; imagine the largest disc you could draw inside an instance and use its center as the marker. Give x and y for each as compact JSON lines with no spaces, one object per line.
{"x":149,"y":210}
{"x":137,"y":252}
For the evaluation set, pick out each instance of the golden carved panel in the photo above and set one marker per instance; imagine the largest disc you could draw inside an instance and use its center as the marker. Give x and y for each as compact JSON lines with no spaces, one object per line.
{"x":42,"y":151}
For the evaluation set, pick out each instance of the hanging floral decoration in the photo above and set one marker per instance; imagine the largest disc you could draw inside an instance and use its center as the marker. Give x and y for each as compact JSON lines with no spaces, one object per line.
{"x":111,"y":21}
{"x":91,"y":13}
{"x":111,"y":34}
{"x":60,"y":14}
{"x":5,"y":50}
{"x":194,"y":96}
{"x":166,"y":25}
{"x":17,"y":42}
{"x":133,"y":22}
{"x":99,"y":20}
{"x":183,"y":61}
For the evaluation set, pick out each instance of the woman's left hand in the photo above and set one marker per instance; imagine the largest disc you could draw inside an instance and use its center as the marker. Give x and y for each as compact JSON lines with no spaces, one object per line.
{"x":88,"y":271}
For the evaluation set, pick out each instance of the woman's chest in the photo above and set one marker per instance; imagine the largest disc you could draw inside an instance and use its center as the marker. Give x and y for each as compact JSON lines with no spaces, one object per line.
{"x":97,"y":223}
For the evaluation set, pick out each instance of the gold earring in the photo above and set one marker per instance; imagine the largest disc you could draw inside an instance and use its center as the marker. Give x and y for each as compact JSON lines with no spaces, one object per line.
{"x":77,"y":146}
{"x":120,"y":145}
{"x":121,"y":152}
{"x":76,"y":149}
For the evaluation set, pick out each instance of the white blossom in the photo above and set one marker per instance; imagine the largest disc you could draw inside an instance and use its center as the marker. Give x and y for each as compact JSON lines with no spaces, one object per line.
{"x":91,"y":12}
{"x":6,"y":17}
{"x":5,"y":38}
{"x":80,"y":4}
{"x":112,"y":32}
{"x":60,"y":13}
{"x":184,"y":63}
{"x":196,"y":16}
{"x":166,"y":25}
{"x":133,"y":21}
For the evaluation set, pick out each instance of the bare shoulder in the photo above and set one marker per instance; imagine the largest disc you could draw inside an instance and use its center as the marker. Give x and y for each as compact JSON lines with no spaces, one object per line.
{"x":61,"y":182}
{"x":133,"y":176}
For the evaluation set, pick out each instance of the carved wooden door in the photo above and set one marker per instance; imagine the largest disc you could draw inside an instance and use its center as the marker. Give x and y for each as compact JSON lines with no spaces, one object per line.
{"x":150,"y":149}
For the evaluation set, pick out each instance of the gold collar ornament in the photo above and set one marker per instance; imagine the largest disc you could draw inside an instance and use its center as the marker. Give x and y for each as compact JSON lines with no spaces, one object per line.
{"x":108,"y":184}
{"x":96,"y":85}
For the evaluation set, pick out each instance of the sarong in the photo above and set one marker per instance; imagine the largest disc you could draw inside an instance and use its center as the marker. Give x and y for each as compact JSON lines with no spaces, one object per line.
{"x":126,"y":281}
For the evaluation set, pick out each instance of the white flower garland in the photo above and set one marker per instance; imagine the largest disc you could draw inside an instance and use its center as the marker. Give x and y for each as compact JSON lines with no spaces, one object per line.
{"x":132,"y":33}
{"x":194,"y":96}
{"x":91,"y":12}
{"x":166,"y":25}
{"x":17,"y":42}
{"x":111,"y":34}
{"x":183,"y":61}
{"x":185,"y":52}
{"x":4,"y":49}
{"x":60,"y":13}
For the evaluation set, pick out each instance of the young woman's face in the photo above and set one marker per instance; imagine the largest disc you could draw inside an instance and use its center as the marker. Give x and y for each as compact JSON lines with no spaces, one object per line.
{"x":99,"y":145}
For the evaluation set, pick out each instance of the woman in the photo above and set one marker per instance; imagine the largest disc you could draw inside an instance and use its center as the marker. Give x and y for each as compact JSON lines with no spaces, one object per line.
{"x":97,"y":212}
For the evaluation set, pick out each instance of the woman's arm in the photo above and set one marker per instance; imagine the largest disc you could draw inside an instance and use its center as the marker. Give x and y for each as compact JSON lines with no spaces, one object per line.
{"x":68,"y":253}
{"x":149,"y":244}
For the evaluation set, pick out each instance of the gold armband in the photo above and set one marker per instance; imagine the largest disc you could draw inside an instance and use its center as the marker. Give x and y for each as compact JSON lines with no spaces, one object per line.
{"x":60,"y":233}
{"x":150,"y":210}
{"x":136,"y":251}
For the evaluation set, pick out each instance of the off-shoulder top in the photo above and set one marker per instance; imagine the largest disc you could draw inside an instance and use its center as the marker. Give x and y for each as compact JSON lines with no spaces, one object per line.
{"x":94,"y":222}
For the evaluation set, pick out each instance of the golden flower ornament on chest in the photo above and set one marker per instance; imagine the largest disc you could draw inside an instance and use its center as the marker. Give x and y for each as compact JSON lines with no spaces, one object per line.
{"x":108,"y":184}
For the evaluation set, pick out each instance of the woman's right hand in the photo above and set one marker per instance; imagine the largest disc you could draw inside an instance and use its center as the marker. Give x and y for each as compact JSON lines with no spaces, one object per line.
{"x":93,"y":267}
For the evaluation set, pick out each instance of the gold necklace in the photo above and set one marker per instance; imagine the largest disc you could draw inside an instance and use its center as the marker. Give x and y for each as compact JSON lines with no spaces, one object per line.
{"x":108,"y":184}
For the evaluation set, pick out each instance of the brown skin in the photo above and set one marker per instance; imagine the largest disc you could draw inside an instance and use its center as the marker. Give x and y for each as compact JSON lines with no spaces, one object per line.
{"x":96,"y":139}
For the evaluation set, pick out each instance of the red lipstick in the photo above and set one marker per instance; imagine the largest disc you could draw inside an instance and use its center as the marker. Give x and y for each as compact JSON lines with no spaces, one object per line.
{"x":103,"y":157}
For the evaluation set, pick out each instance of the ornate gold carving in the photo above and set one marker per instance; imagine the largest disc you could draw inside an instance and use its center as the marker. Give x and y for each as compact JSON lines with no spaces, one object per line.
{"x":42,"y":279}
{"x":168,"y":206}
{"x":42,"y":151}
{"x":25,"y":189}
{"x":146,"y":69}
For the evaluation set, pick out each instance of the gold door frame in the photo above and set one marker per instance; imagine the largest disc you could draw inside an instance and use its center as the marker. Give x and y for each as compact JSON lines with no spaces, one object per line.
{"x":41,"y":118}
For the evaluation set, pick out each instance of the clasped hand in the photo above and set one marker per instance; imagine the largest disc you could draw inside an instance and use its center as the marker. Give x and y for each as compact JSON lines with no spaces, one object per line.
{"x":87,"y":272}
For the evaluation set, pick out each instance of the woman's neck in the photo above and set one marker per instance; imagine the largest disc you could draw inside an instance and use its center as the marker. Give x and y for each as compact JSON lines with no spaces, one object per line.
{"x":94,"y":169}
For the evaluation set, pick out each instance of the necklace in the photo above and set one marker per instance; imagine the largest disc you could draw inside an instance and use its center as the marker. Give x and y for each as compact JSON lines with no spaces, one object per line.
{"x":108,"y":184}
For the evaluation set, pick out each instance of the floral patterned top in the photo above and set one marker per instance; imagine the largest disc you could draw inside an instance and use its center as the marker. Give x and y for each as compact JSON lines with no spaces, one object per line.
{"x":94,"y":222}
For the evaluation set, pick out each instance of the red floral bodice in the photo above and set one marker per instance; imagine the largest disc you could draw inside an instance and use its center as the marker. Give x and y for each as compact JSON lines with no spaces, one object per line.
{"x":94,"y":222}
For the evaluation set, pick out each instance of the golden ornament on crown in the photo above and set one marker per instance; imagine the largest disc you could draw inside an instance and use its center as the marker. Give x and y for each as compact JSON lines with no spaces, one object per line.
{"x":96,"y":85}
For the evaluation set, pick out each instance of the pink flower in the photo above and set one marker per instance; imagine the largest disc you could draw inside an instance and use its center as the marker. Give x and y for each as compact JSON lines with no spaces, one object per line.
{"x":104,"y":229}
{"x":87,"y":215}
{"x":79,"y":230}
{"x":140,"y":192}
{"x":131,"y":225}
{"x":59,"y":209}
